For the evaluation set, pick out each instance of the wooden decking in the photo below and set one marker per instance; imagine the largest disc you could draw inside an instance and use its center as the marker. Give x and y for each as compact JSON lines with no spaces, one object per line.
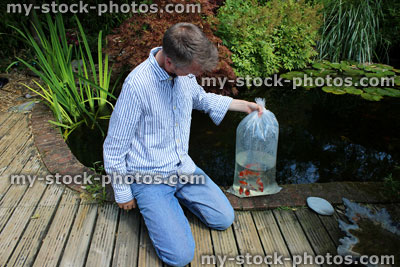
{"x":50,"y":225}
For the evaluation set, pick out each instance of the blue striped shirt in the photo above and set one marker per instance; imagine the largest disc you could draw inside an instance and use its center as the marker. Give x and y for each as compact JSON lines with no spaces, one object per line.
{"x":150,"y":125}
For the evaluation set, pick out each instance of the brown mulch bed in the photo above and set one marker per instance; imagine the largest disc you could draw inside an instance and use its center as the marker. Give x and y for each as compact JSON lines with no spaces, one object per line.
{"x":13,"y":93}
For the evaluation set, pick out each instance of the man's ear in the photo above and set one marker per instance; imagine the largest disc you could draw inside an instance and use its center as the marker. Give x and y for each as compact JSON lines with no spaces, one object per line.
{"x":168,"y":62}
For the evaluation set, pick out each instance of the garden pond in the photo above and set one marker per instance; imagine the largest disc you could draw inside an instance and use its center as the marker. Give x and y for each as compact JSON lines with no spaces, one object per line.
{"x":322,"y":138}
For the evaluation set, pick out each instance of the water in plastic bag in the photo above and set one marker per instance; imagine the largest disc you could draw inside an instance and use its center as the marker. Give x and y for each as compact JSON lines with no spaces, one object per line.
{"x":256,"y":149}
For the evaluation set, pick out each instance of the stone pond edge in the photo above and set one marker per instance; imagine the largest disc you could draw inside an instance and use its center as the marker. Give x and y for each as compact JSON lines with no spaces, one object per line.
{"x":58,"y":158}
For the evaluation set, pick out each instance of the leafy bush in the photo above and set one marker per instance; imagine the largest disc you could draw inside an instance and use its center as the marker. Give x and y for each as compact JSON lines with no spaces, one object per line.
{"x":76,"y":95}
{"x":131,"y":42}
{"x":351,"y":30}
{"x":267,"y":38}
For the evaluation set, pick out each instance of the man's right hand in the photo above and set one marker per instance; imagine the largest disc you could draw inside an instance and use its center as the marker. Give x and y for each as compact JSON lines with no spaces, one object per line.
{"x":128,"y":205}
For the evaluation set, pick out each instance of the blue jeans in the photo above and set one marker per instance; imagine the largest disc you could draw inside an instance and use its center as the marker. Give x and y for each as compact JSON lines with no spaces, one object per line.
{"x":168,"y":227}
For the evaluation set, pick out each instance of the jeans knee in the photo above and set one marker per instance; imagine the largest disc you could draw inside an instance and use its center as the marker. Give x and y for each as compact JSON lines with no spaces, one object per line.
{"x":181,"y":257}
{"x":226,"y":220}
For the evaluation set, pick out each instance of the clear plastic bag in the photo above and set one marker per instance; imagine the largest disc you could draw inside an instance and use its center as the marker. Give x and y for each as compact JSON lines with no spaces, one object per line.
{"x":256,"y":149}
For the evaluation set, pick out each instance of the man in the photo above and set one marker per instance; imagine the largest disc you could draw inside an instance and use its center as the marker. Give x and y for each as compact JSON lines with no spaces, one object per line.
{"x":149,"y":133}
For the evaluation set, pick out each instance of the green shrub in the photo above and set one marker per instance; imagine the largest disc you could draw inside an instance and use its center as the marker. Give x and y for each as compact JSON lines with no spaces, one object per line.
{"x":351,"y":30}
{"x":267,"y":38}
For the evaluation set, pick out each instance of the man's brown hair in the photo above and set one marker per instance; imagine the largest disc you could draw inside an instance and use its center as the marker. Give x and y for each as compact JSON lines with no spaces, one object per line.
{"x":185,"y":43}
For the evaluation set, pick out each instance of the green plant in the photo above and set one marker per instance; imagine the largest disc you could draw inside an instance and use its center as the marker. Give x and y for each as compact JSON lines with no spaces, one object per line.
{"x":75,"y":97}
{"x":351,"y":30}
{"x":392,"y":184}
{"x":95,"y":190}
{"x":386,"y":75}
{"x":267,"y":38}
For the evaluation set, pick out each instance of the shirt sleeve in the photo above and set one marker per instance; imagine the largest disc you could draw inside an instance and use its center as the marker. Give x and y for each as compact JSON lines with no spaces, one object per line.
{"x":121,"y":131}
{"x":214,"y":105}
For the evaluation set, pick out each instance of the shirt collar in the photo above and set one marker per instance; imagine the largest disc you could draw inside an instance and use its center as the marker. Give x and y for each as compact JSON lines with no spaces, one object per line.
{"x":160,"y":72}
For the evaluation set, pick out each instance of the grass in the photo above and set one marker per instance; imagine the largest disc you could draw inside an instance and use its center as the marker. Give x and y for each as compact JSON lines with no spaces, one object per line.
{"x":351,"y":30}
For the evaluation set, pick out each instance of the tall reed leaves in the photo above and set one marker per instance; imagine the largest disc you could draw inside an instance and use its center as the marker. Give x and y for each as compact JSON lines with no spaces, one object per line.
{"x":351,"y":30}
{"x":75,"y":97}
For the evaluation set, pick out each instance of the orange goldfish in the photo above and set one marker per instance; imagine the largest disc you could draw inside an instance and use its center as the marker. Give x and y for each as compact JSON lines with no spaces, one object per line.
{"x":248,"y":166}
{"x":261,"y":185}
{"x":248,"y":172}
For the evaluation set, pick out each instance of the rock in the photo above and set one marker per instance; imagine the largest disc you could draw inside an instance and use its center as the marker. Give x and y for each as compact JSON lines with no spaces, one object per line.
{"x":25,"y":107}
{"x":28,"y":96}
{"x":320,"y":205}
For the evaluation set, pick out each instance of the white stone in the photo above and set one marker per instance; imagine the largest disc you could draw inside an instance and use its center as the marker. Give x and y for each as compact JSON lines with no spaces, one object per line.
{"x":320,"y":205}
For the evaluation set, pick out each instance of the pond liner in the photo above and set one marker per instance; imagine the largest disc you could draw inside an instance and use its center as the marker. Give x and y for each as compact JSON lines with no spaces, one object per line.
{"x":357,"y":214}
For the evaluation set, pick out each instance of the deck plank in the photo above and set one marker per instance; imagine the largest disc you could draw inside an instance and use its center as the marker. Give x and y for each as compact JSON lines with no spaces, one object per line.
{"x":247,"y":236}
{"x":80,"y":236}
{"x":15,"y":226}
{"x":102,"y":243}
{"x":224,"y":244}
{"x":271,"y":237}
{"x":54,"y":242}
{"x":21,"y":158}
{"x":14,"y":195}
{"x":147,"y":253}
{"x":7,"y":124}
{"x":13,"y":137}
{"x":332,"y":227}
{"x":15,"y":153}
{"x":316,"y":233}
{"x":127,"y":242}
{"x":31,"y":240}
{"x":202,"y":238}
{"x":4,"y":117}
{"x":294,"y":236}
{"x":17,"y":146}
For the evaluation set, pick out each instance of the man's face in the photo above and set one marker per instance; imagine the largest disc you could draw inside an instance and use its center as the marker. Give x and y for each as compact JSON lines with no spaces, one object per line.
{"x":194,"y":68}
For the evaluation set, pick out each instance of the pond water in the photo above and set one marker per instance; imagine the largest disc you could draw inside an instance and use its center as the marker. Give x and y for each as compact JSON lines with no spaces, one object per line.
{"x":322,"y":138}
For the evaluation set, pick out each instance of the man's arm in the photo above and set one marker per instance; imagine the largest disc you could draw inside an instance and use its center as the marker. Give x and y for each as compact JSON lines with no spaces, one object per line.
{"x":245,"y":106}
{"x":214,"y":105}
{"x":217,"y":105}
{"x":121,"y":131}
